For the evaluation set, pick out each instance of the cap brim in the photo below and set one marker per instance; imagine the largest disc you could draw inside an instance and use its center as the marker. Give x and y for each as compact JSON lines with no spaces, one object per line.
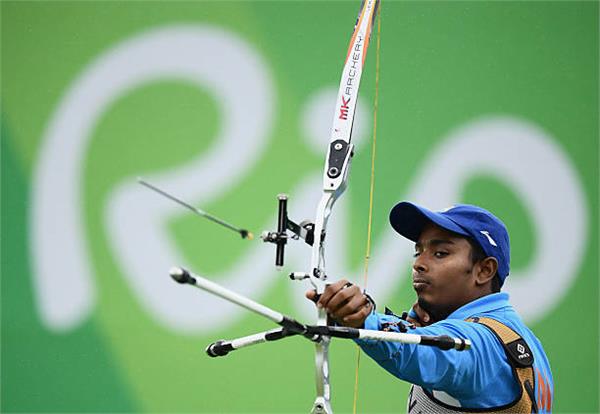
{"x":409,"y":219}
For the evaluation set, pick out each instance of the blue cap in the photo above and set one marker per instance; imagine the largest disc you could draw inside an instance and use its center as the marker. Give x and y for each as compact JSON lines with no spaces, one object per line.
{"x":474,"y":222}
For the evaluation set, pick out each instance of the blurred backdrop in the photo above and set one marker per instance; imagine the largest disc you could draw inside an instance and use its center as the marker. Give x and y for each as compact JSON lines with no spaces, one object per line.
{"x":227,"y":104}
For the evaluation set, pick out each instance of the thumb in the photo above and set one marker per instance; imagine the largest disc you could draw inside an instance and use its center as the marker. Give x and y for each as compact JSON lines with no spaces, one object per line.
{"x":421,"y":313}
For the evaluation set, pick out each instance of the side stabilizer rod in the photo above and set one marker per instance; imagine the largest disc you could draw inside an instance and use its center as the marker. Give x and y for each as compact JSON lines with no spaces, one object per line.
{"x":223,"y":347}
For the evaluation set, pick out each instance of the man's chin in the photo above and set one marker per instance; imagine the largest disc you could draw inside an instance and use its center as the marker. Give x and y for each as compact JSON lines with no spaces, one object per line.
{"x":424,"y":296}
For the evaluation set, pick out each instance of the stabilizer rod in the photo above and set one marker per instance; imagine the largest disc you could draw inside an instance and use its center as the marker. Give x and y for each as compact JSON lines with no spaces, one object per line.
{"x":223,"y":347}
{"x":293,"y":327}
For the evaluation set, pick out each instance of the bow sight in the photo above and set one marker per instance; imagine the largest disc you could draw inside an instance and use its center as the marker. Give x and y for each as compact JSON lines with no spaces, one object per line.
{"x":338,"y":161}
{"x":305,"y":231}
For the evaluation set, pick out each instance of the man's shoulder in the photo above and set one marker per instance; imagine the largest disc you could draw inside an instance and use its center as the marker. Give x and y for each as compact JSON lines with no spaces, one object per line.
{"x":509,"y":318}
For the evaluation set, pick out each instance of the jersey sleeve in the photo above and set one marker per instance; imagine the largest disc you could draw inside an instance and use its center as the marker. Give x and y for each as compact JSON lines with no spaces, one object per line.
{"x":463,"y":374}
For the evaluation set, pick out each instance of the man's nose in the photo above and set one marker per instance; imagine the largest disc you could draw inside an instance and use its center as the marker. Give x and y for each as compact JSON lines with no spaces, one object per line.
{"x":419,"y":265}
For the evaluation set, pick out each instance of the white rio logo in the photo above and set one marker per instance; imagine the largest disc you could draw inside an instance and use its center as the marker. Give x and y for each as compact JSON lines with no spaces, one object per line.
{"x":514,"y":151}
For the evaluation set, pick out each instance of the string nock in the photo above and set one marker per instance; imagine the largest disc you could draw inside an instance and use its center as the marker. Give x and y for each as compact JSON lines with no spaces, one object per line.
{"x":181,"y":276}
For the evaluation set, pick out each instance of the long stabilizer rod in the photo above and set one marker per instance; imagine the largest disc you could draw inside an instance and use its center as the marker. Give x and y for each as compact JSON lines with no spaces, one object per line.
{"x":243,"y":232}
{"x":293,"y":327}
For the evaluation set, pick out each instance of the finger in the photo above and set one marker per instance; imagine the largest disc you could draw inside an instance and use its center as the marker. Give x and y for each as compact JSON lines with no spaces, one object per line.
{"x":357,"y":319}
{"x":415,"y":322}
{"x":353,"y":305}
{"x":342,"y":296}
{"x":311,"y":294}
{"x":330,"y":291}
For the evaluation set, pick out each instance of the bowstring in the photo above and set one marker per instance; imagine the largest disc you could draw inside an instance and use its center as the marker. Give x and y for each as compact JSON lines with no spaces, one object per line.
{"x":371,"y":190}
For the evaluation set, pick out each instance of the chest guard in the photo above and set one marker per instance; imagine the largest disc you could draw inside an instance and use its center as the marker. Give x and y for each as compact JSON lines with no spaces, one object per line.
{"x":520,"y":358}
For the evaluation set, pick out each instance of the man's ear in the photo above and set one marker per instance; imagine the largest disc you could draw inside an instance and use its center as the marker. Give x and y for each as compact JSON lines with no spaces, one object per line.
{"x":486,"y":270}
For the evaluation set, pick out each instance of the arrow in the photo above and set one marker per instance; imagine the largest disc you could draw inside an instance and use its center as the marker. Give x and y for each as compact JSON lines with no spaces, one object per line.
{"x":244,"y":233}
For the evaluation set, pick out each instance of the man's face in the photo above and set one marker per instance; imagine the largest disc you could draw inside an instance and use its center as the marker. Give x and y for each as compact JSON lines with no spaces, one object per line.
{"x":443,"y":272}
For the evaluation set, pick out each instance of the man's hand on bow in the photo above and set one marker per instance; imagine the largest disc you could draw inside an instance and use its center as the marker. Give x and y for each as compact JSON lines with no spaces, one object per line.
{"x":344,"y":302}
{"x":419,"y":316}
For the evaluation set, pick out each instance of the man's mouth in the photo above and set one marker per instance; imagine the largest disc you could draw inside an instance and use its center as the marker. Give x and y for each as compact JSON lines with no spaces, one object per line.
{"x":419,"y":283}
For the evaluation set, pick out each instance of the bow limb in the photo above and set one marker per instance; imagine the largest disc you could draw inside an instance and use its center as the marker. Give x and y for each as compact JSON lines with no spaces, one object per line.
{"x":341,"y":150}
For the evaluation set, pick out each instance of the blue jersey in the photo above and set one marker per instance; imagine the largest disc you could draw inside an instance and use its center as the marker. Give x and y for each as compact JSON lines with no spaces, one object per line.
{"x":477,"y":378}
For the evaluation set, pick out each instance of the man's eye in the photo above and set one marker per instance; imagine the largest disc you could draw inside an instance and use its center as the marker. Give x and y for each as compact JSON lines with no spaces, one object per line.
{"x":440,"y":254}
{"x":417,"y":254}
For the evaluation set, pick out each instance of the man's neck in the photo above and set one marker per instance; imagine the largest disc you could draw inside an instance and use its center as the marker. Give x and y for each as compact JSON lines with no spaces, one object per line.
{"x":440,"y":312}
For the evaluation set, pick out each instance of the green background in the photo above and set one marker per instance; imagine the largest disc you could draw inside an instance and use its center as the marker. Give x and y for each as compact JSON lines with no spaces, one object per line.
{"x":442,"y":64}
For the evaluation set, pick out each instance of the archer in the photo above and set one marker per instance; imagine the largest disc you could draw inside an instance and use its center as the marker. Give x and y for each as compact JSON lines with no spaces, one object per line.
{"x":462,"y":258}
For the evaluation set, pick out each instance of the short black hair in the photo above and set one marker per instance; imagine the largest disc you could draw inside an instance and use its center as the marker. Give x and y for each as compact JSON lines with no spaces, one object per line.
{"x":477,"y":255}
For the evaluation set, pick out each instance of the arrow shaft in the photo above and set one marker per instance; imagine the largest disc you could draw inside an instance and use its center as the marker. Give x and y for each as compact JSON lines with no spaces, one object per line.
{"x":199,"y":212}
